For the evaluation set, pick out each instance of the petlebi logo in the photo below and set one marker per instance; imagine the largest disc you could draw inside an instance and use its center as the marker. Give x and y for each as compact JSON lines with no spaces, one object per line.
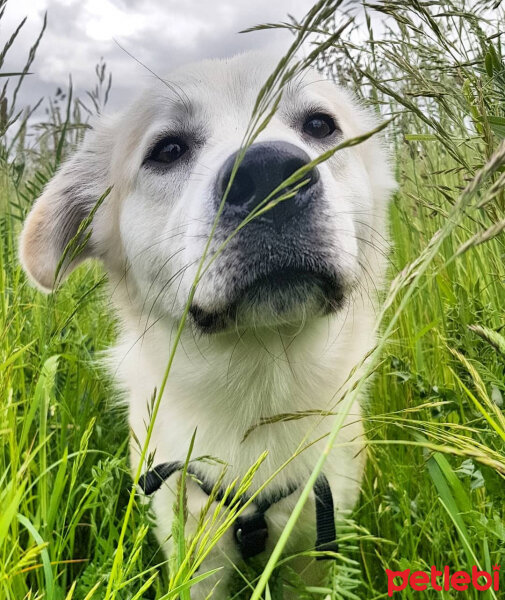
{"x":444,"y":580}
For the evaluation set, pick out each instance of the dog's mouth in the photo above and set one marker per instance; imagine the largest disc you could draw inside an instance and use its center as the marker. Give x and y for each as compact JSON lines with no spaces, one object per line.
{"x":281,"y":296}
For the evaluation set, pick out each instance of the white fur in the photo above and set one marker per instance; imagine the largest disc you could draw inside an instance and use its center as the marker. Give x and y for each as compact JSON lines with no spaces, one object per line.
{"x":223,"y":384}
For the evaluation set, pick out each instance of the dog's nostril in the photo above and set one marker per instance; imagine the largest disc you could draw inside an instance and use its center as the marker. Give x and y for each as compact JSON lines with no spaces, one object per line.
{"x":290,"y":170}
{"x":242,"y":189}
{"x":312,"y":176}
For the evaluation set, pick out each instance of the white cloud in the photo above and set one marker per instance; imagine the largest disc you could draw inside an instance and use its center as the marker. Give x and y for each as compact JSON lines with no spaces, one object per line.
{"x":103,"y":19}
{"x":163,"y":35}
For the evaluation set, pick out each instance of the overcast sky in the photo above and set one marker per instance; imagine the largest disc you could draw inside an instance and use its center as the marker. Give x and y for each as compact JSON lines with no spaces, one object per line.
{"x":162,"y":34}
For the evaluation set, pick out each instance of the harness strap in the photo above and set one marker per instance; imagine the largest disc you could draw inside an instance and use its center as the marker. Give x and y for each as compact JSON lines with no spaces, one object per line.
{"x":153,"y":479}
{"x":251,"y":531}
{"x":326,"y":536}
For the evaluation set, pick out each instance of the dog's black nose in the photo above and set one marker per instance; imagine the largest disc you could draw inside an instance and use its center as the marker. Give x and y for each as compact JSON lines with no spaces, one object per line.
{"x":263,"y":169}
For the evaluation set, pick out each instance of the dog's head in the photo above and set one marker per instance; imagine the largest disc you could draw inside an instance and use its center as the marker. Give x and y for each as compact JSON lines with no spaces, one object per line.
{"x":170,"y":158}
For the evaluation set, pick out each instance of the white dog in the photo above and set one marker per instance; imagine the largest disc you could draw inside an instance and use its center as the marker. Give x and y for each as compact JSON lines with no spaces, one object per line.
{"x":279,"y":318}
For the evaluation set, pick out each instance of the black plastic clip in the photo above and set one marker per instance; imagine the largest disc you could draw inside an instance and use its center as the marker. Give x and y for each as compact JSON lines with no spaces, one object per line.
{"x":251,"y":533}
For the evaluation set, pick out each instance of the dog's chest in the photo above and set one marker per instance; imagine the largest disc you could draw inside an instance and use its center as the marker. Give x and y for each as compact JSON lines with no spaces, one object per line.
{"x":241,"y":405}
{"x":234,"y":423}
{"x":241,"y":400}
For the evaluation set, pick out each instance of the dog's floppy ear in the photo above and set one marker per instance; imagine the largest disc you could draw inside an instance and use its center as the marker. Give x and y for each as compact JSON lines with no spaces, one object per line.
{"x":68,"y":199}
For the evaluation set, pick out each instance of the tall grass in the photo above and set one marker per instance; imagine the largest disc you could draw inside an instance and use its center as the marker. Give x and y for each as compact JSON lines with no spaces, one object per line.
{"x":70,"y":526}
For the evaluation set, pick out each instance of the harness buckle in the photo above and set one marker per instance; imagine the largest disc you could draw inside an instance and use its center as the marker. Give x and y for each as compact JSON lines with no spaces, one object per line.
{"x":251,"y":533}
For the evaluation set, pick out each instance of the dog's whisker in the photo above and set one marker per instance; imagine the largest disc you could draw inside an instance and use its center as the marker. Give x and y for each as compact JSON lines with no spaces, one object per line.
{"x":156,"y":275}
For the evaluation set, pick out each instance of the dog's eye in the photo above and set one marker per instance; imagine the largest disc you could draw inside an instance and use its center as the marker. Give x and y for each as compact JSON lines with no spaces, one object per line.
{"x":319,"y":126}
{"x":168,"y":150}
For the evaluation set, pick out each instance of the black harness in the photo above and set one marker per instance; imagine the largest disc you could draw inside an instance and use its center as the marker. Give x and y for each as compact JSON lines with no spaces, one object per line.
{"x":251,"y":531}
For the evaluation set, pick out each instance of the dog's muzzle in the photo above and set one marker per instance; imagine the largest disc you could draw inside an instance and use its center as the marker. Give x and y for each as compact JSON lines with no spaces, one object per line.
{"x":278,"y":264}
